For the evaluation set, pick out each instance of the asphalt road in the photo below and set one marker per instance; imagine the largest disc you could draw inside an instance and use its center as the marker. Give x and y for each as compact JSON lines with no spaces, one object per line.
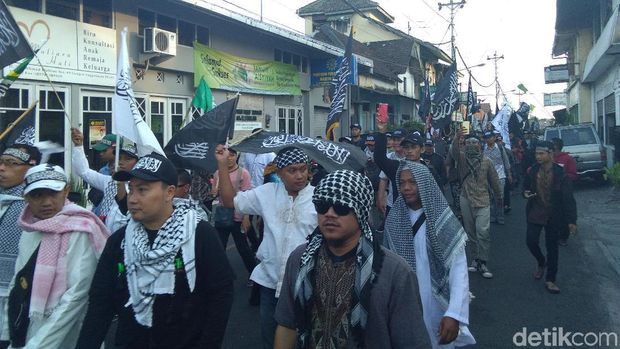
{"x":512,"y":301}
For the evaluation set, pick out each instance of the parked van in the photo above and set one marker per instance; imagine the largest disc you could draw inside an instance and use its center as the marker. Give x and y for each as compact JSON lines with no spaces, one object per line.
{"x":582,"y":142}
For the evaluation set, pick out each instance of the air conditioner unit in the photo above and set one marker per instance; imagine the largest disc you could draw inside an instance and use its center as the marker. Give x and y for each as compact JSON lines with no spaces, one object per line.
{"x":160,"y":41}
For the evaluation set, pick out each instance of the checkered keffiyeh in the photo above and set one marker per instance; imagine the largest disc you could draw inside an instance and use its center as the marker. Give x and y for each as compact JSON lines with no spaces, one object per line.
{"x":291,"y":156}
{"x":151,"y":268}
{"x":445,"y":236}
{"x":355,"y":191}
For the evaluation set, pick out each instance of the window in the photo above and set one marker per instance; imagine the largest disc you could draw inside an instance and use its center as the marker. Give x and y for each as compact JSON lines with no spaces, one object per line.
{"x":300,"y":62}
{"x":610,"y":117}
{"x":97,"y":117}
{"x":157,"y":120}
{"x":248,"y":115}
{"x":187,"y":33}
{"x":405,"y":85}
{"x":146,"y":19}
{"x":12,"y":105}
{"x":600,"y":114}
{"x":286,"y":57}
{"x":32,"y":5}
{"x":98,"y":12}
{"x":69,"y":9}
{"x":290,"y":120}
{"x":341,"y":25}
{"x":52,"y":118}
{"x":176,"y":116}
{"x":202,"y":35}
{"x":167,"y":23}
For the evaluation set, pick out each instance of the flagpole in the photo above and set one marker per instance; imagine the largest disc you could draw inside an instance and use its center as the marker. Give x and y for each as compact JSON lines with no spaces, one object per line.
{"x":117,"y":152}
{"x":14,"y":123}
{"x":187,"y":116}
{"x":62,"y":105}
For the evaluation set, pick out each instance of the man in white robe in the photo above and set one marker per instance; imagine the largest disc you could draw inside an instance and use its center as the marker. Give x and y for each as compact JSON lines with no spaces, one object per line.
{"x":434,"y":247}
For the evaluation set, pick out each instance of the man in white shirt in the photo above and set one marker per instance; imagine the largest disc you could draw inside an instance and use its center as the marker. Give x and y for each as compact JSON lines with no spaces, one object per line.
{"x":289,"y":217}
{"x":500,"y":161}
{"x":434,"y":247}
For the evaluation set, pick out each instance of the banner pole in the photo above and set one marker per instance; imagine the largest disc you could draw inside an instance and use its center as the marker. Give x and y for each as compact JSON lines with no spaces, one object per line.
{"x":62,"y":105}
{"x":14,"y":123}
{"x":117,"y":151}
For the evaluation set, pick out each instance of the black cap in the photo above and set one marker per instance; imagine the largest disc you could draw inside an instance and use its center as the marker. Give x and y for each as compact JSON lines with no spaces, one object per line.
{"x":153,"y":168}
{"x":356,"y":126}
{"x":429,"y":142}
{"x":400,"y":133}
{"x":414,"y":139}
{"x":488,"y":134}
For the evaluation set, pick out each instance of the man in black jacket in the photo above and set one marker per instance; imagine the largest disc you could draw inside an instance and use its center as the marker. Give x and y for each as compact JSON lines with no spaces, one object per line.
{"x":550,"y":205}
{"x":165,"y":274}
{"x":436,"y":162}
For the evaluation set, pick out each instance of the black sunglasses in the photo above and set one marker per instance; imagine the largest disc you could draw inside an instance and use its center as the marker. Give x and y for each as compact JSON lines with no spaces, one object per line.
{"x":323,"y":206}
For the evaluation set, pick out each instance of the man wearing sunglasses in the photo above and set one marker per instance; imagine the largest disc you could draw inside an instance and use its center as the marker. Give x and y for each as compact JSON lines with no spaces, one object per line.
{"x":15,"y":161}
{"x":288,"y":215}
{"x":342,"y":289}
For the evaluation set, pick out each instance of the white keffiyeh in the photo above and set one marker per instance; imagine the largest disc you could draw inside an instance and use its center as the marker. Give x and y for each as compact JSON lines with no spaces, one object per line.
{"x":151,"y":269}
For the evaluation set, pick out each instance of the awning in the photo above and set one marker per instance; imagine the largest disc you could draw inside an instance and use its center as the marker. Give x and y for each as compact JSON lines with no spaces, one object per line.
{"x":603,"y":53}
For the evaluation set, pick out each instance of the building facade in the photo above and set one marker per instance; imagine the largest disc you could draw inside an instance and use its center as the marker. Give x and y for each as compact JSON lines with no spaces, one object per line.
{"x":587,"y":33}
{"x":400,"y":61}
{"x":78,"y":41}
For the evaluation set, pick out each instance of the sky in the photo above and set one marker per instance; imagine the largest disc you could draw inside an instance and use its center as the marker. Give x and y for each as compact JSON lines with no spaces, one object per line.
{"x":520,"y":30}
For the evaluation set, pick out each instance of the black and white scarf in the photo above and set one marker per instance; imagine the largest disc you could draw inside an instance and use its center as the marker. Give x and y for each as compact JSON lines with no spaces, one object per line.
{"x":109,"y":194}
{"x":151,"y":269}
{"x":11,"y":232}
{"x":445,"y":236}
{"x":355,"y":191}
{"x":291,"y":156}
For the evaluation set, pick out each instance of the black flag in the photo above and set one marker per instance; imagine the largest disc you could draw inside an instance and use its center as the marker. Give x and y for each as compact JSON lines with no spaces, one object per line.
{"x":445,"y":99}
{"x":471,"y":101}
{"x":425,"y":103}
{"x":523,"y":112}
{"x":193,"y":147}
{"x":339,"y":86}
{"x":22,"y":132}
{"x":332,"y":156}
{"x":13,"y":44}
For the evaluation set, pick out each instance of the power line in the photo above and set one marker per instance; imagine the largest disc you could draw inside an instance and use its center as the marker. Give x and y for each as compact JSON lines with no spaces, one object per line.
{"x":469,"y":71}
{"x":436,"y":12}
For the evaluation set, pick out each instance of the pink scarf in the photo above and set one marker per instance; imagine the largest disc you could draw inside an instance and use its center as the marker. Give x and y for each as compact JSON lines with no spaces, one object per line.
{"x":50,"y":276}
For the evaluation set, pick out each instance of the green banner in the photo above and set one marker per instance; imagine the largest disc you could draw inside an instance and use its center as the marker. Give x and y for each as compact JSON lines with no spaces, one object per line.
{"x":224,"y":71}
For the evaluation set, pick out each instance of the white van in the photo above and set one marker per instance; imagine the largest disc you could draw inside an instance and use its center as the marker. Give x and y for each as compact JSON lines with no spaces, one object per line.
{"x":581,"y":142}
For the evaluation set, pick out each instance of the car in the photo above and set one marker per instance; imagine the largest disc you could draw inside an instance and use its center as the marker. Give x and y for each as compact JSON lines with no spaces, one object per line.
{"x":582,"y":142}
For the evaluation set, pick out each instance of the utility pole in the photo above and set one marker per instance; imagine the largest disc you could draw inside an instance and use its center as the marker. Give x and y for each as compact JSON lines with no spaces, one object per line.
{"x":496,"y":58}
{"x":453,"y":6}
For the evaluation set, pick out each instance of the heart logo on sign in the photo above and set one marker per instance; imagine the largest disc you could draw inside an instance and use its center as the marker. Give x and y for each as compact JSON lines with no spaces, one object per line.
{"x":38,"y":23}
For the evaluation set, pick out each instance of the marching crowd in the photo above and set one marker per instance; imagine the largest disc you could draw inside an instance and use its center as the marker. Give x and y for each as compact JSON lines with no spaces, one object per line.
{"x":375,"y":259}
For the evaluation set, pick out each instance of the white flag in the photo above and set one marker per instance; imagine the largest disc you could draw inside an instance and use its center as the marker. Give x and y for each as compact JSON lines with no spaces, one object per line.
{"x":500,"y":122}
{"x":126,"y":119}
